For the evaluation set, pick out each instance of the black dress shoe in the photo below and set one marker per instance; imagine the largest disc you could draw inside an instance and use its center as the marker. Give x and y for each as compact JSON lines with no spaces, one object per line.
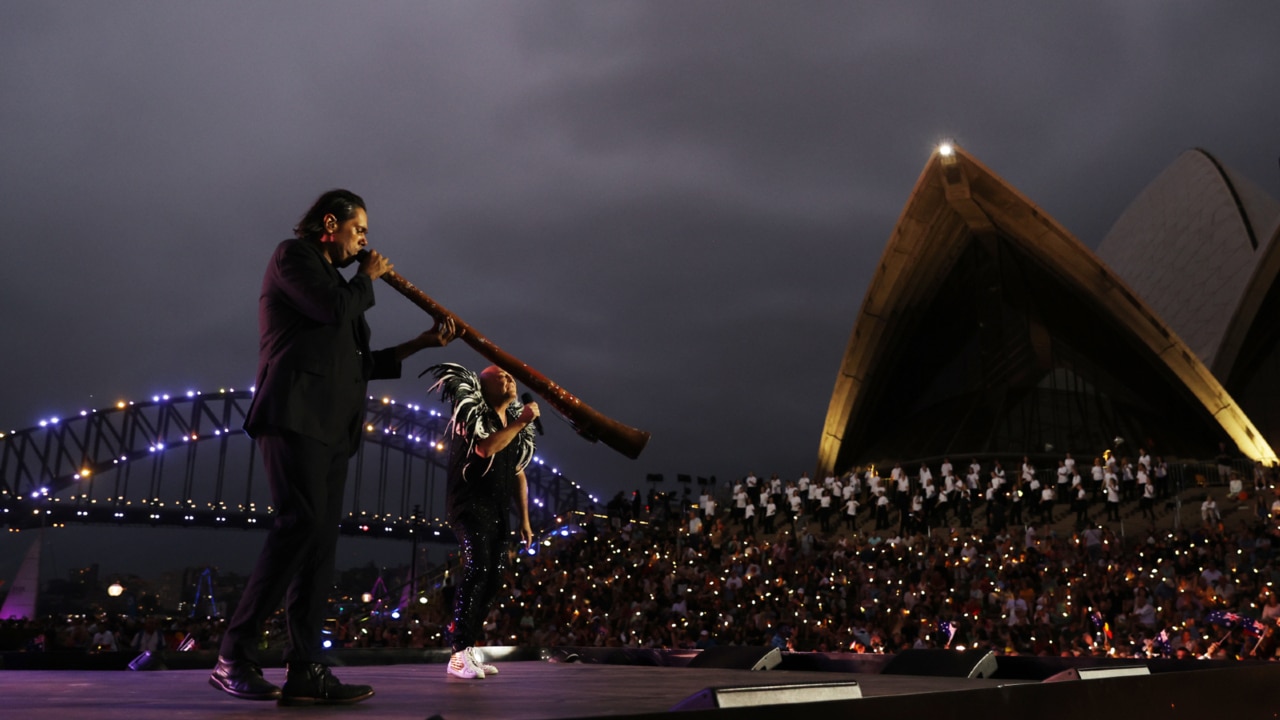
{"x":242,"y":679}
{"x":314,"y":684}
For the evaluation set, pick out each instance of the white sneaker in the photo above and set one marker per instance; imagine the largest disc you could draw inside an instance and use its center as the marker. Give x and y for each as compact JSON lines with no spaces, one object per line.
{"x":477,"y":659}
{"x":462,"y":666}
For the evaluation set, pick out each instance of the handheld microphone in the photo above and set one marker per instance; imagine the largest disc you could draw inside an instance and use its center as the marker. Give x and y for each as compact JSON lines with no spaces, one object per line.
{"x":537,"y":422}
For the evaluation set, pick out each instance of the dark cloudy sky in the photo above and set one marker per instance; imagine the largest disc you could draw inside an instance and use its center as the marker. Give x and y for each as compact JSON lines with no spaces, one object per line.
{"x":670,"y":208}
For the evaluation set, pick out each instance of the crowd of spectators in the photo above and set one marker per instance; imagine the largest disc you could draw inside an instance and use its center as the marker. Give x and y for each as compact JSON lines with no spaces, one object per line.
{"x":973,"y":572}
{"x":106,"y":632}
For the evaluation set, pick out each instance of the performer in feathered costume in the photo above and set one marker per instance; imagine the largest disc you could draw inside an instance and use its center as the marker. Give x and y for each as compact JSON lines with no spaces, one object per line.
{"x":491,"y":443}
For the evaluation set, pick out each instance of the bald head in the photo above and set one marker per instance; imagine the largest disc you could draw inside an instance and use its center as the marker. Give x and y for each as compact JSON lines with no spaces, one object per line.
{"x":497,"y":386}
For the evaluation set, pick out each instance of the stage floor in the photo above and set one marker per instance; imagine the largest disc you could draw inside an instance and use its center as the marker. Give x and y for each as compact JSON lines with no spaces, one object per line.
{"x":524,"y":690}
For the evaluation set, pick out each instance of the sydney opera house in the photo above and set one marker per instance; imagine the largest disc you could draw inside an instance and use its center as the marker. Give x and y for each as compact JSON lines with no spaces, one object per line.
{"x":988,"y":329}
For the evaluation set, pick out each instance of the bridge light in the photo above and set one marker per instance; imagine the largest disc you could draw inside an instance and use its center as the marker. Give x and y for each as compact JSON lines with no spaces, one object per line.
{"x":120,"y":405}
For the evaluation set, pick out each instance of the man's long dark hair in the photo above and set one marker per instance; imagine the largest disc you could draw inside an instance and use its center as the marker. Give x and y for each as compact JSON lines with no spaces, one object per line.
{"x":342,"y":204}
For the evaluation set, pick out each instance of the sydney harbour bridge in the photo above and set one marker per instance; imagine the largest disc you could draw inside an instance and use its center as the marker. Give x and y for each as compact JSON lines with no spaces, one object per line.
{"x":184,"y":460}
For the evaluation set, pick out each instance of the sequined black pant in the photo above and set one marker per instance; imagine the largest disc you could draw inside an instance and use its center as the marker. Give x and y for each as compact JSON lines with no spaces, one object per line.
{"x":483,"y":535}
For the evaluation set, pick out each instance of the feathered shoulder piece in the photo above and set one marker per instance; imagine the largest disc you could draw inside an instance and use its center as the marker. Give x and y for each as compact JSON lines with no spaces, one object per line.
{"x":461,"y":387}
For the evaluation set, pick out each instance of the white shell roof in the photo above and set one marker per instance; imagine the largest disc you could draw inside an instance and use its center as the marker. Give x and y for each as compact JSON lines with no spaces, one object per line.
{"x":1184,"y":246}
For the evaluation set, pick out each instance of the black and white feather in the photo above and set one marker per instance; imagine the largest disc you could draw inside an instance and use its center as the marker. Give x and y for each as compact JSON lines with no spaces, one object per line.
{"x":461,"y":387}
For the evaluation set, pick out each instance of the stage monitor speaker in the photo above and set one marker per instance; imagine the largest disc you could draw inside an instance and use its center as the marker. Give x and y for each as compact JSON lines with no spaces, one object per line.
{"x":765,"y":695}
{"x":942,"y":663}
{"x":738,"y":658}
{"x":1097,"y":673}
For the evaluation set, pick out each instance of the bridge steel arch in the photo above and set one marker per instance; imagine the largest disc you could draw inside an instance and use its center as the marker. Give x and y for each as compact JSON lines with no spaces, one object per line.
{"x":184,"y":460}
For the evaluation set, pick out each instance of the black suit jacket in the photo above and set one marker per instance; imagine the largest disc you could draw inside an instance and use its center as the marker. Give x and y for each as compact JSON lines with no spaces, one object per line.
{"x":314,"y":361}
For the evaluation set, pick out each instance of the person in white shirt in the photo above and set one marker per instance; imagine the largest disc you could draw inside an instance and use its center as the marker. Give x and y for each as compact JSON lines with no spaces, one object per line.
{"x":708,"y":504}
{"x":814,"y":498}
{"x":104,"y":640}
{"x":925,"y":474}
{"x":950,"y":487}
{"x":824,"y":511}
{"x":997,"y":470}
{"x":1209,"y":514}
{"x":1113,"y":496}
{"x":1160,"y":473}
{"x":882,"y":511}
{"x":739,"y":501}
{"x":915,"y":517}
{"x":851,"y":513}
{"x":941,"y":508}
{"x":695,"y":526}
{"x":1082,"y":506}
{"x":1098,"y":474}
{"x":974,"y":478}
{"x":1148,"y":500}
{"x":797,"y":507}
{"x":1046,"y":504}
{"x":875,"y":486}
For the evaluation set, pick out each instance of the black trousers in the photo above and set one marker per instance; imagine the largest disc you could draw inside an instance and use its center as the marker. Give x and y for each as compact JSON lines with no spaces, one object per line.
{"x":297,"y":561}
{"x":484,"y":536}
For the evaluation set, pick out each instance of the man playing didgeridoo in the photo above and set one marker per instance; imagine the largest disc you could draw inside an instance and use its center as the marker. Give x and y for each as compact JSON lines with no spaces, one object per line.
{"x":492,"y":442}
{"x":307,"y":416}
